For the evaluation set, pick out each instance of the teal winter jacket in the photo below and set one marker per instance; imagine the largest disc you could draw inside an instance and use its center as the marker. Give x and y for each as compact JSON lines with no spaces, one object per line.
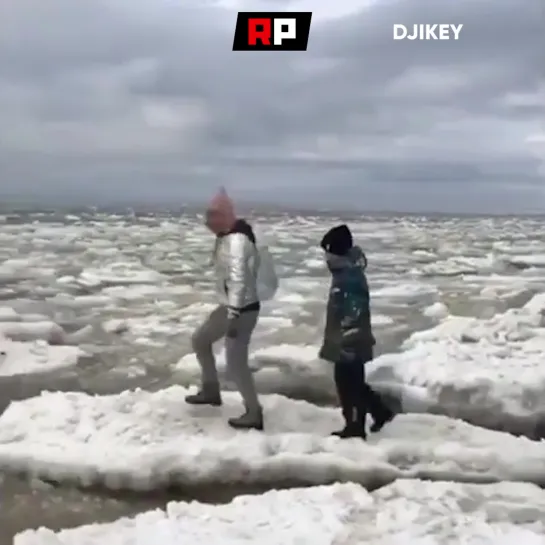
{"x":348,"y":335}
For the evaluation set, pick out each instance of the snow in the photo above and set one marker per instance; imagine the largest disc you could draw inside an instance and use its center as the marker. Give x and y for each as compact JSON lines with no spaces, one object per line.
{"x":286,"y":359}
{"x":22,"y":358}
{"x":32,"y":330}
{"x":489,"y":371}
{"x":407,"y":512}
{"x":404,"y":291}
{"x":146,"y":440}
{"x":437,"y":310}
{"x":119,"y":274}
{"x":536,"y":260}
{"x":129,"y":277}
{"x":26,"y":344}
{"x":7,"y":314}
{"x":460,"y":265}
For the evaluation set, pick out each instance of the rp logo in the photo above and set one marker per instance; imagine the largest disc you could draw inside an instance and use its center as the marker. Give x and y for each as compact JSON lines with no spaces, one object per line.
{"x":272,"y":31}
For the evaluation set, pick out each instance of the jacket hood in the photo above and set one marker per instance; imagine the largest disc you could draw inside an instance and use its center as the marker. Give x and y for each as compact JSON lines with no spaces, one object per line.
{"x":243,"y":227}
{"x":354,"y":258}
{"x":357,"y":257}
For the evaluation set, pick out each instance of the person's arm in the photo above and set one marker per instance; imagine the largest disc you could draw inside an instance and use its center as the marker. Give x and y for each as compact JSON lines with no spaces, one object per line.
{"x":351,"y":305}
{"x":237,"y":280}
{"x":330,"y":348}
{"x":337,"y":299}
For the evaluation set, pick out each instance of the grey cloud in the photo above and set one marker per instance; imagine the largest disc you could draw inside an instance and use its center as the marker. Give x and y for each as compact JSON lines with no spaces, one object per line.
{"x":148,"y":101}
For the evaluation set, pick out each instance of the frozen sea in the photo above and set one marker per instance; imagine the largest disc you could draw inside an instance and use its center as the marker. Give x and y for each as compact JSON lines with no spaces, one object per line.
{"x":96,"y":312}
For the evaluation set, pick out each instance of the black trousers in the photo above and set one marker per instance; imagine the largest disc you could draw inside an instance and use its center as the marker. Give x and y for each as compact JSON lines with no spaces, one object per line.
{"x":356,"y":397}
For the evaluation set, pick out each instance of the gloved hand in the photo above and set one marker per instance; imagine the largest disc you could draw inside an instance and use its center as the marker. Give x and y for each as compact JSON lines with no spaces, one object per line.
{"x":232,"y":324}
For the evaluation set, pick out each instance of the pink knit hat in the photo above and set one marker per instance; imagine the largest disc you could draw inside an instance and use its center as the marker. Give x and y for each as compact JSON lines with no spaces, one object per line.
{"x":223,"y":205}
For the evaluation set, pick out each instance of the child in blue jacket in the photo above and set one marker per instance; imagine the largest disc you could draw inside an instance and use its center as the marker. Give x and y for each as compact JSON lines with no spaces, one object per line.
{"x":348,"y":337}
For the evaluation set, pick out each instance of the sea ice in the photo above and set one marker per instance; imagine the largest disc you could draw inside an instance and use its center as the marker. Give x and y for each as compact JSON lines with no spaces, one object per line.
{"x":489,"y":372}
{"x":23,"y":358}
{"x":279,"y":366}
{"x":25,"y":344}
{"x":31,"y":330}
{"x":120,"y":274}
{"x":7,"y":314}
{"x":437,"y":310}
{"x":405,"y":512}
{"x":404,"y":291}
{"x":145,"y":440}
{"x":535,"y":260}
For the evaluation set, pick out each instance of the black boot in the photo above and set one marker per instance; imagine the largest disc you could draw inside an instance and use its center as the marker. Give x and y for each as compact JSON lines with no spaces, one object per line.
{"x":352,"y":428}
{"x":381,"y":413}
{"x":343,"y":386}
{"x":348,"y":417}
{"x":381,"y":418}
{"x":362,"y":421}
{"x":250,"y":420}
{"x":209,"y":394}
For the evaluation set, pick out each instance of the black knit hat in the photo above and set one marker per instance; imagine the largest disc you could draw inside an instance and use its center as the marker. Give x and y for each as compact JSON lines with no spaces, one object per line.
{"x":338,"y":240}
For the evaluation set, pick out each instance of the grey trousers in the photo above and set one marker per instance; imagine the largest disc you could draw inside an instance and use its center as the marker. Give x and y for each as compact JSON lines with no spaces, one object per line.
{"x":236,"y":353}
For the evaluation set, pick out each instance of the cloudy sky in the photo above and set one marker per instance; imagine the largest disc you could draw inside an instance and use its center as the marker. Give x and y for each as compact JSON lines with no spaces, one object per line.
{"x":144,"y":100}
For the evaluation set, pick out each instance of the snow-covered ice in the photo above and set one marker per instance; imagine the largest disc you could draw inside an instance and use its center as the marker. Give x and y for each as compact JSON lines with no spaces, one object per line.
{"x":489,"y":371}
{"x":407,"y":512}
{"x":404,"y":291}
{"x":279,"y":362}
{"x":118,"y":276}
{"x":145,"y":440}
{"x":23,"y":358}
{"x":129,"y":276}
{"x":133,"y":288}
{"x":31,"y":344}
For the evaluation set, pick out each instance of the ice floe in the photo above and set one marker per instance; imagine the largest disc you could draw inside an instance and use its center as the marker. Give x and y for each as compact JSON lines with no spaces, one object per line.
{"x":404,"y":291}
{"x":283,"y":359}
{"x":278,"y":367}
{"x":490,"y":372}
{"x":23,"y":358}
{"x":405,"y":512}
{"x":119,"y":274}
{"x":31,"y":343}
{"x":145,"y":440}
{"x":31,"y":330}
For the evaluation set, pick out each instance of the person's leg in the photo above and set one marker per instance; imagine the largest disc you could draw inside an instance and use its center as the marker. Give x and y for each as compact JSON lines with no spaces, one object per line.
{"x":202,"y":340}
{"x":342,"y":385}
{"x":374,"y":404}
{"x":236,"y":353}
{"x":349,"y":384}
{"x":359,"y":400}
{"x":381,"y":413}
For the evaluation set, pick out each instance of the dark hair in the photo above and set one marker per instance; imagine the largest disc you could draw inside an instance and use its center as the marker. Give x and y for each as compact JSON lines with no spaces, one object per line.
{"x":338,"y":240}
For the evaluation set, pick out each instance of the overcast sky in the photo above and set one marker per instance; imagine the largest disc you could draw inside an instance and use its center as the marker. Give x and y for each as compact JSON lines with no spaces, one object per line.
{"x":143,"y":100}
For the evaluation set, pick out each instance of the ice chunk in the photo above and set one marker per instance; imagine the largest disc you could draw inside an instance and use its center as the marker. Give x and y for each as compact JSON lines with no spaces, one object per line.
{"x":21,"y":358}
{"x":489,"y":372}
{"x":437,"y":310}
{"x":406,"y":512}
{"x":33,"y":331}
{"x":404,"y":291}
{"x":284,"y":359}
{"x":146,"y":440}
{"x":7,"y":314}
{"x":120,"y":274}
